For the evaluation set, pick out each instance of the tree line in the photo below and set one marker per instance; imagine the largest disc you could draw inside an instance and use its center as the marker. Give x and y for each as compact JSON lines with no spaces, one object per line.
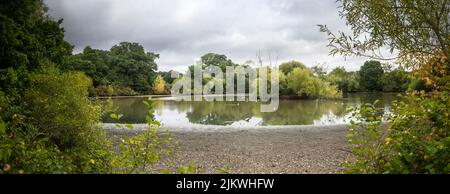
{"x":127,"y":69}
{"x":374,"y":76}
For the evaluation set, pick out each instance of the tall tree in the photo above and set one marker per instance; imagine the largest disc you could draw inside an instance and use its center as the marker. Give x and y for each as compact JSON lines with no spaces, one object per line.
{"x":159,"y":85}
{"x":167,"y":76}
{"x":216,"y":60}
{"x":370,"y":76}
{"x":287,"y":67}
{"x":395,"y":80}
{"x":126,"y":64}
{"x":345,"y":81}
{"x":47,"y":123}
{"x":29,"y":37}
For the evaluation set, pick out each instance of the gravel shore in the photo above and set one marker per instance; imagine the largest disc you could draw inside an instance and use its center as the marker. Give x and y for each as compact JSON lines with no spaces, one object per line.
{"x":301,"y":149}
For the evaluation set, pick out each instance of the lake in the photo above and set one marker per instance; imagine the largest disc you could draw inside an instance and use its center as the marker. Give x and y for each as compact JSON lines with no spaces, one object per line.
{"x":290,"y":112}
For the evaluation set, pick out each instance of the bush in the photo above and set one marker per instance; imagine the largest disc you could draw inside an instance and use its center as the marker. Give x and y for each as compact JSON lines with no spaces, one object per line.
{"x":51,"y":126}
{"x":54,"y":128}
{"x":415,"y":140}
{"x":305,"y":84}
{"x":110,"y":90}
{"x":26,"y":150}
{"x":58,"y":104}
{"x":418,"y":85}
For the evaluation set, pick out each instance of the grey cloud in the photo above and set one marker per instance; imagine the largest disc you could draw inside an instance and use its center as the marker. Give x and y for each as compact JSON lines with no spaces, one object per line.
{"x":181,"y":31}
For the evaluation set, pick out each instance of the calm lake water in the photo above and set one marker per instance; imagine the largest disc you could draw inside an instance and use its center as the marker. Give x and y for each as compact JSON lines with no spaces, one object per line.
{"x":290,"y":112}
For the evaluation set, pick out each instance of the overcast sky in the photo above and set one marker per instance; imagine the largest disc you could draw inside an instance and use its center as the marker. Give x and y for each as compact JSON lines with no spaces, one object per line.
{"x":181,"y":31}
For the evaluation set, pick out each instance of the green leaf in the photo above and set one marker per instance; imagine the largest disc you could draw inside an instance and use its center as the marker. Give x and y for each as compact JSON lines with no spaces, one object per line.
{"x":129,"y":126}
{"x":349,"y":136}
{"x":2,"y":127}
{"x":376,"y":102}
{"x":114,"y":116}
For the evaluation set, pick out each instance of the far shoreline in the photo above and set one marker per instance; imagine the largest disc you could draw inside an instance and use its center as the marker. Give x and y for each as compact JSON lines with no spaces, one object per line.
{"x":281,"y":97}
{"x":218,"y":128}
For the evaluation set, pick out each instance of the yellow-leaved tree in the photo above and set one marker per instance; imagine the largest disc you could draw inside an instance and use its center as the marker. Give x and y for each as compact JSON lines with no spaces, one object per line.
{"x":159,"y":85}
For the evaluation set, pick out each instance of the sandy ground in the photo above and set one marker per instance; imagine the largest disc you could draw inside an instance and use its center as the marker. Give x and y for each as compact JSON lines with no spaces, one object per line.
{"x":302,"y":149}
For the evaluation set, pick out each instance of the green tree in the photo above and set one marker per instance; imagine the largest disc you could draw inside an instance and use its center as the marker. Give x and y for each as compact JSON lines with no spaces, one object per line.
{"x":217,"y":60}
{"x":287,"y":67}
{"x":319,"y":71}
{"x":344,"y":80}
{"x":29,"y":37}
{"x":48,"y":125}
{"x":395,"y":80}
{"x":93,"y":62}
{"x":167,"y":76}
{"x":304,"y":84}
{"x":284,"y":88}
{"x":371,"y":75}
{"x":125,"y":65}
{"x":213,"y":59}
{"x":133,"y":66}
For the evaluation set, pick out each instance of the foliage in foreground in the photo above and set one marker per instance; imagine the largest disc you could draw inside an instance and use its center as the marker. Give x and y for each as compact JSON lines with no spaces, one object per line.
{"x":47,"y":122}
{"x":49,"y":125}
{"x":415,"y":139}
{"x":77,"y":144}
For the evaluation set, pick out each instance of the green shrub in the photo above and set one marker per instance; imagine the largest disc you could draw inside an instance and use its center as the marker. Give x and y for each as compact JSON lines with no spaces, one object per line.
{"x":305,"y":84}
{"x":51,"y":126}
{"x":26,"y":150}
{"x":110,"y":90}
{"x":104,"y":90}
{"x":58,"y":104}
{"x":414,"y":140}
{"x":418,"y":85}
{"x":50,"y":137}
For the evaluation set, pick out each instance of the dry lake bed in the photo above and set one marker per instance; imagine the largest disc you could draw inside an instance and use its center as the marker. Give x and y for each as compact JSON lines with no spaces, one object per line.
{"x":288,"y":149}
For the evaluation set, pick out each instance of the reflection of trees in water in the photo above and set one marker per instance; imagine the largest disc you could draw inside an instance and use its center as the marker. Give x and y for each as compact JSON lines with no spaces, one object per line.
{"x":290,"y":112}
{"x":370,"y":97}
{"x":133,"y":110}
{"x":385,"y":99}
{"x":175,"y":106}
{"x":219,"y":113}
{"x":302,"y":112}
